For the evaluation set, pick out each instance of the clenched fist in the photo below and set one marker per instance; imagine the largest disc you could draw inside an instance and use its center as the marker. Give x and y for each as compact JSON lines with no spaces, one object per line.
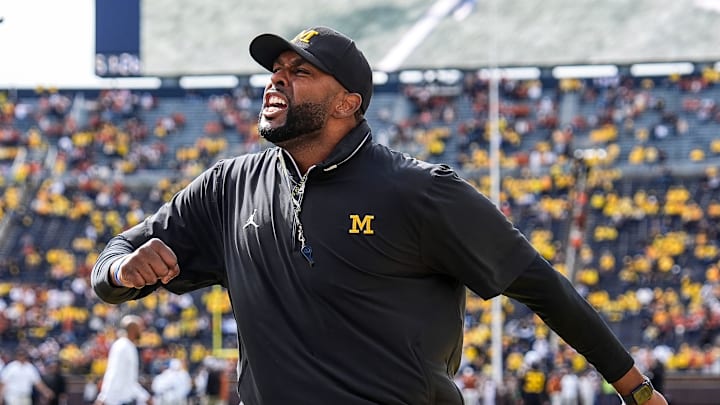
{"x":151,"y":262}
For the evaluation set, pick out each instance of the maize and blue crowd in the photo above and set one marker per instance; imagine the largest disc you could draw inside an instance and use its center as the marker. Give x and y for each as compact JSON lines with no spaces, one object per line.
{"x":640,"y":216}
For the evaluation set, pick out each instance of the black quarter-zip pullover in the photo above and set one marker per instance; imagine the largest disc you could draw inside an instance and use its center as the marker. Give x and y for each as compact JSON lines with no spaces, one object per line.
{"x":371,"y":312}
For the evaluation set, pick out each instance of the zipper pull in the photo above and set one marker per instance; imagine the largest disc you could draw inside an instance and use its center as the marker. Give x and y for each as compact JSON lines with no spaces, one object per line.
{"x":307,"y":252}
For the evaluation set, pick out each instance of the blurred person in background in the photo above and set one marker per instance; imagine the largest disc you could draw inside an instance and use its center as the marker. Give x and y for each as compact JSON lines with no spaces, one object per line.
{"x":589,"y":386}
{"x":120,"y":384}
{"x":56,"y":381}
{"x":173,"y":385}
{"x":18,"y":378}
{"x":569,"y":388}
{"x":216,"y":387}
{"x":533,"y":385}
{"x":553,"y":387}
{"x":656,"y":371}
{"x":469,"y":384}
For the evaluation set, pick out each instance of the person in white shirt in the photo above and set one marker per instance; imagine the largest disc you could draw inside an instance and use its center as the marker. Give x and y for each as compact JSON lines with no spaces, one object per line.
{"x":569,"y":388}
{"x":18,"y":378}
{"x":120,"y":384}
{"x":172,"y":386}
{"x":589,"y":385}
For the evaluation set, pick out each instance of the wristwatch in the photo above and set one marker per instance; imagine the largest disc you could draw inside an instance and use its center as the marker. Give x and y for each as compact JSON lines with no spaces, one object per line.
{"x":640,"y":395}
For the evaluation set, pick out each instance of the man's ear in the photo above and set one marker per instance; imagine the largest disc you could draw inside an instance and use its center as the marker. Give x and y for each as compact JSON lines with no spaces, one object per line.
{"x":347,"y":105}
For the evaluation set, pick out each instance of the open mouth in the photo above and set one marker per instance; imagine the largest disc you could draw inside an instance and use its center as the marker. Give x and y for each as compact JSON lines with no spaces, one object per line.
{"x":274,"y":104}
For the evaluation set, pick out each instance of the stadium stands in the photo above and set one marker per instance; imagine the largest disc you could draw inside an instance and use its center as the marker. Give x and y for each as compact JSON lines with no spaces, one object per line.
{"x":76,"y":168}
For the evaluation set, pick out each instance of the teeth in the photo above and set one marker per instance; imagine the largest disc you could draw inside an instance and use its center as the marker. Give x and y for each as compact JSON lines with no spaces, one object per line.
{"x":275,"y":100}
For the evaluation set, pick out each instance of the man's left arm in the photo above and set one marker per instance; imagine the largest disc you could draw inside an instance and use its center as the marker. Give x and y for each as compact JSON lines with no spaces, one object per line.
{"x":550,"y":295}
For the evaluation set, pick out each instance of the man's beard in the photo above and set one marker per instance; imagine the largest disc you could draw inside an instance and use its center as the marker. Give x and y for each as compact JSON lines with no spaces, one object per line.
{"x":303,"y":119}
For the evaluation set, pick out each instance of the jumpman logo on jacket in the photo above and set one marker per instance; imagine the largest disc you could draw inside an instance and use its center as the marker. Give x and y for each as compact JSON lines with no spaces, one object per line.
{"x":251,"y":221}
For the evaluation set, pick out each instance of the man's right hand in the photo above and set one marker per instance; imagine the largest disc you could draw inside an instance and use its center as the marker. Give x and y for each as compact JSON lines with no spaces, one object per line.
{"x":152,"y":262}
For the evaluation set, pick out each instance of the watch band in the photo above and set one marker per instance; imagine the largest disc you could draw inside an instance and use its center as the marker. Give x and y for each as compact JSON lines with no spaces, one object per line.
{"x":640,"y":395}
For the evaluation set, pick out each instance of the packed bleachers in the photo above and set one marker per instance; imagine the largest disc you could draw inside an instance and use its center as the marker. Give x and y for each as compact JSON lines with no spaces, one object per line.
{"x":640,"y":216}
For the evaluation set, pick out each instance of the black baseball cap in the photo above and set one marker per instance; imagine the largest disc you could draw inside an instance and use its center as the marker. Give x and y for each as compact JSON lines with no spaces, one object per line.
{"x":328,"y":50}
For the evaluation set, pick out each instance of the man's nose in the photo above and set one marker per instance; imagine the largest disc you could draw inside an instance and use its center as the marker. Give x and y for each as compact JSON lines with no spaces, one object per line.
{"x":278,"y":78}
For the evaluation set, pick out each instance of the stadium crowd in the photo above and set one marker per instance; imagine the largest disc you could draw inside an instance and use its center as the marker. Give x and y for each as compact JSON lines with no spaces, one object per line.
{"x":637,"y":236}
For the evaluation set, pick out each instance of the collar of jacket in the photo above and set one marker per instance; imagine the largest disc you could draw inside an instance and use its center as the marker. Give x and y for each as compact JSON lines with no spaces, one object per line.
{"x":348,"y":146}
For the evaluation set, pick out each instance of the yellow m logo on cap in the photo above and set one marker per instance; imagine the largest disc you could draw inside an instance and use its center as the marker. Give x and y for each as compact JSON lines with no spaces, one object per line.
{"x":305,"y":36}
{"x":364,"y":224}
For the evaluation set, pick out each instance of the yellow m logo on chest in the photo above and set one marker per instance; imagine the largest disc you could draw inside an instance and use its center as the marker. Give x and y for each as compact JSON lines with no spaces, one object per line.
{"x":363,"y":224}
